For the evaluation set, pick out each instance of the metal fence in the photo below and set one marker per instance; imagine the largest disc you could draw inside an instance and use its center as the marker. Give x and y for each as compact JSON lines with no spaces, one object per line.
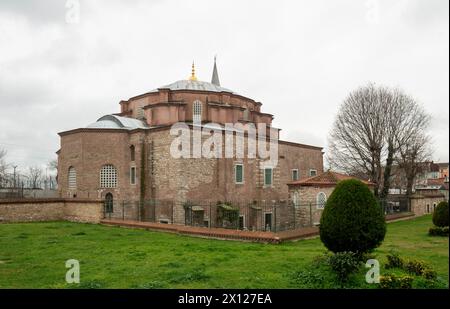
{"x":161,"y":211}
{"x":274,"y":216}
{"x":395,"y":204}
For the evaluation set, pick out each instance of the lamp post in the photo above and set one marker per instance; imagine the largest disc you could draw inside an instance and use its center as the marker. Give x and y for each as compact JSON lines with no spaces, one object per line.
{"x":15,"y":166}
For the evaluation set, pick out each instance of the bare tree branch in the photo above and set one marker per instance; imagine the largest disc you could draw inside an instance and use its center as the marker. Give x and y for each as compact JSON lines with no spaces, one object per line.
{"x":35,"y":176}
{"x":371,"y":127}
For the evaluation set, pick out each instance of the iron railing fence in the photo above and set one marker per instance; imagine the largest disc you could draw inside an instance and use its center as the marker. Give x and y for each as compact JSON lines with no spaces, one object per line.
{"x":161,"y":211}
{"x":395,"y":204}
{"x":274,"y":216}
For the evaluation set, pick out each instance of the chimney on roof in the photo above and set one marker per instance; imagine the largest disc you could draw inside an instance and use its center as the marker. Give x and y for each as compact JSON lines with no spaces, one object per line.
{"x":215,"y":74}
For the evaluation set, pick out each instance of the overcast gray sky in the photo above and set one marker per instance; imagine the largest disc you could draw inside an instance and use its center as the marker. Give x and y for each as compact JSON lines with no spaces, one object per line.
{"x":299,"y":58}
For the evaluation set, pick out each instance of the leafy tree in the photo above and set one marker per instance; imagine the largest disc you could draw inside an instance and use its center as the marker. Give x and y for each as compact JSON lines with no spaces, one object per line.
{"x":440,"y":215}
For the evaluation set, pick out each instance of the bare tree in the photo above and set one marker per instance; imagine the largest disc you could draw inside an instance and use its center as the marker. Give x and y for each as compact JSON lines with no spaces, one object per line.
{"x":356,"y":142}
{"x":3,"y":166}
{"x":411,"y":156}
{"x":53,"y":165}
{"x":35,"y":176}
{"x":373,"y":124}
{"x":407,"y":123}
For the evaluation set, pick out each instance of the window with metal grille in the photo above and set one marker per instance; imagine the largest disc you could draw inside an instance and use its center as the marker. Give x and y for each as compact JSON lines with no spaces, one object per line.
{"x":133,"y":175}
{"x":239,"y":173}
{"x":108,"y":176}
{"x":295,"y":174}
{"x":321,"y":200}
{"x":72,"y":177}
{"x":268,"y":176}
{"x":197,"y":111}
{"x":140,"y":112}
{"x":132,"y":152}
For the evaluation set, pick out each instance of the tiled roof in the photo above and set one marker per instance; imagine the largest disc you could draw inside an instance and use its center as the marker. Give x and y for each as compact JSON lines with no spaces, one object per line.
{"x":328,"y":178}
{"x":435,"y":181}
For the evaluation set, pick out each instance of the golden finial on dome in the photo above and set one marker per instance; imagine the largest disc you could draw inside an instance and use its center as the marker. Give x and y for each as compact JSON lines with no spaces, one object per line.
{"x":193,"y":77}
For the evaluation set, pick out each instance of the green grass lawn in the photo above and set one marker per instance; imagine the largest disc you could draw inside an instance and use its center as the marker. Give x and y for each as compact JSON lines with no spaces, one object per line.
{"x":33,"y":255}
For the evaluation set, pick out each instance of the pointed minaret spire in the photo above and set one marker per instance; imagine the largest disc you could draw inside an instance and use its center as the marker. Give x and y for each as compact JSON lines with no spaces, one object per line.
{"x":215,"y":75}
{"x":193,"y":77}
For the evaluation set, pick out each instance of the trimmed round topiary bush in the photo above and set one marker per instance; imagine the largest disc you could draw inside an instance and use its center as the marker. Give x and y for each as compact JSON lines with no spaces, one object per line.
{"x":440,"y":215}
{"x":352,"y":219}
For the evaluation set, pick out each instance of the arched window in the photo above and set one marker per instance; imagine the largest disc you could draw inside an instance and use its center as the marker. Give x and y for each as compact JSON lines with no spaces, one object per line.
{"x":132,"y":152}
{"x":109,"y":203}
{"x":72,"y":178}
{"x":321,"y":199}
{"x":295,"y":199}
{"x":197,"y":111}
{"x":108,"y":176}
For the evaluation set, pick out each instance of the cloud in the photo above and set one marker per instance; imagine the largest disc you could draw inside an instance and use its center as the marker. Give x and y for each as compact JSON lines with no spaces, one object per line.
{"x":37,"y":11}
{"x":299,"y":58}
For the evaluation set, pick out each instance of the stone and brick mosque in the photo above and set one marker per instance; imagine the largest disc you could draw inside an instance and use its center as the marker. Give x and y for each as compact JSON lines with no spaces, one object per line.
{"x":126,"y":156}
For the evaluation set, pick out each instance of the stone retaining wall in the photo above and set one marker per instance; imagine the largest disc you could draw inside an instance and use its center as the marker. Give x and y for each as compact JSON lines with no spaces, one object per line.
{"x":30,"y":210}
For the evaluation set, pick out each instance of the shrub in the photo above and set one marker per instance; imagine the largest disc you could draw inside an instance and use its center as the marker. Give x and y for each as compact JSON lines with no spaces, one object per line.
{"x":394,"y":261}
{"x":416,"y":267}
{"x":440,"y":215}
{"x":352,"y":219}
{"x":307,"y":278}
{"x":429,"y":274}
{"x":344,"y":264}
{"x":396,"y":282}
{"x":321,"y":260}
{"x":438,"y":231}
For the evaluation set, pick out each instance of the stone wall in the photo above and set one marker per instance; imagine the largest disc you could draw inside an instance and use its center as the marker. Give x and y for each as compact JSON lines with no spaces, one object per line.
{"x":164,"y":177}
{"x":422,"y":205}
{"x":31,"y":210}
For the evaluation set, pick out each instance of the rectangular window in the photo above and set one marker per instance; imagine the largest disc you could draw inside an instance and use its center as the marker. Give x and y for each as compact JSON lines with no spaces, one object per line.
{"x":239,"y":173}
{"x":295,"y":174}
{"x":268,"y":176}
{"x":140,"y":112}
{"x":312,"y":172}
{"x":133,"y":175}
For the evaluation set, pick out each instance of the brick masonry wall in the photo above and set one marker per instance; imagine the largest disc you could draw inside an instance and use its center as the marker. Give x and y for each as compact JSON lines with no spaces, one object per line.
{"x":168,"y":178}
{"x":51,"y":210}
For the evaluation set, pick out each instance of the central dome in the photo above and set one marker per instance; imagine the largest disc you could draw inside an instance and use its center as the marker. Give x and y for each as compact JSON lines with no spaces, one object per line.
{"x":194,"y":85}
